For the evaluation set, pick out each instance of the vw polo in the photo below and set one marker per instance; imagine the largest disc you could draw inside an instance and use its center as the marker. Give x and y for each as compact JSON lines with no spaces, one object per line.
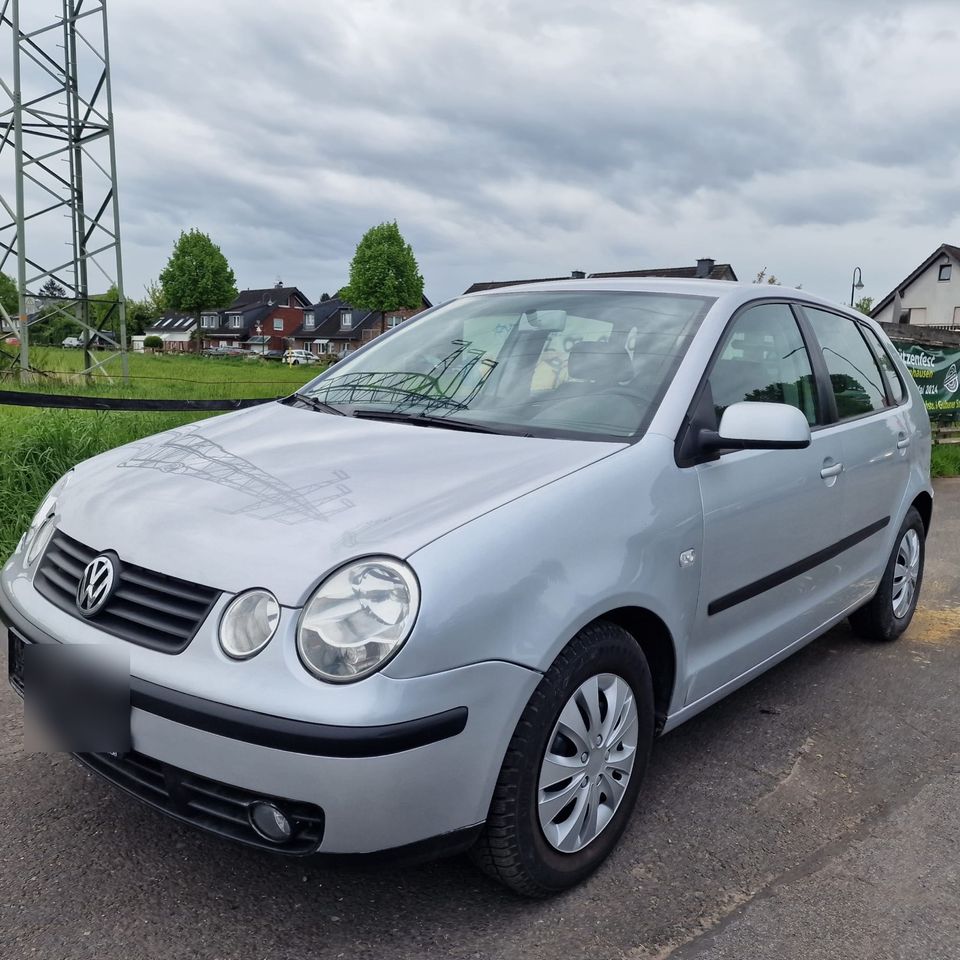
{"x":446,"y":595}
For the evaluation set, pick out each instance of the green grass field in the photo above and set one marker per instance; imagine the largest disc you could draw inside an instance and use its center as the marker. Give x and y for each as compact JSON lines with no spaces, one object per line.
{"x":37,"y":446}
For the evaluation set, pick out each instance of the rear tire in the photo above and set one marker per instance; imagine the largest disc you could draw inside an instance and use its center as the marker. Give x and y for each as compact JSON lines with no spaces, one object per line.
{"x":605,"y":660}
{"x":890,"y":611}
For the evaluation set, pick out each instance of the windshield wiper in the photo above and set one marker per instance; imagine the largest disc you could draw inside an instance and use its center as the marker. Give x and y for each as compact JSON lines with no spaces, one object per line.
{"x":425,"y":420}
{"x":314,"y":404}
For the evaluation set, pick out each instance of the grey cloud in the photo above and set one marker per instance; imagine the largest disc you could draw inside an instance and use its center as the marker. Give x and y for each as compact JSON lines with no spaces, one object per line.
{"x":506,"y":137}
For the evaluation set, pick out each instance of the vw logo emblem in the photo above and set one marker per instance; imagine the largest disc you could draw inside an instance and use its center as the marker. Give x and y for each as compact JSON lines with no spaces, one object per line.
{"x":951,"y":382}
{"x":96,"y":585}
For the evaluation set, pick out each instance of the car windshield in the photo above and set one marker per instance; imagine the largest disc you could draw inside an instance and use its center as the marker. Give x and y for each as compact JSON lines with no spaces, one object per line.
{"x":586,"y":364}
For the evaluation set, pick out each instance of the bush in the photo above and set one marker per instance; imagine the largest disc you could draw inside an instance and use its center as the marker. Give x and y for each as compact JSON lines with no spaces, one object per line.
{"x":153,"y":342}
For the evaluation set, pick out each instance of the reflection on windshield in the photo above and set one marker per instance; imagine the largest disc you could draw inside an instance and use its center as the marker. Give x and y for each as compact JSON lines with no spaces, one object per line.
{"x":441,"y":388}
{"x":551,"y":364}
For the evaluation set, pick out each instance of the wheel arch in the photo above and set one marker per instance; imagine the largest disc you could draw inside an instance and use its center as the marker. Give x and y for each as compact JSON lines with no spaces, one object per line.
{"x":656,"y":642}
{"x":923,"y":503}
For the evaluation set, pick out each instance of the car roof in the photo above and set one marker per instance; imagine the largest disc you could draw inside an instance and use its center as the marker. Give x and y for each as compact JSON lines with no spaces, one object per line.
{"x":730,"y":292}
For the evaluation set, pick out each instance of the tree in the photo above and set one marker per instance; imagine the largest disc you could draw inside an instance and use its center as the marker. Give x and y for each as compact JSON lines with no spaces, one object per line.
{"x":9,"y":296}
{"x":52,"y":290}
{"x":57,"y":319}
{"x":197,"y":277}
{"x":153,"y":343}
{"x":762,"y":277}
{"x":384,"y":274}
{"x":324,"y":297}
{"x":140,"y":315}
{"x":864,"y":305}
{"x":154,"y":301}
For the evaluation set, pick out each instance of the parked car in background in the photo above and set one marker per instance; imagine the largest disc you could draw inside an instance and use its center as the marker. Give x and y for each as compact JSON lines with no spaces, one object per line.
{"x":446,"y":595}
{"x":71,"y":343}
{"x":223,"y":352}
{"x":296,"y":357}
{"x":255,"y":354}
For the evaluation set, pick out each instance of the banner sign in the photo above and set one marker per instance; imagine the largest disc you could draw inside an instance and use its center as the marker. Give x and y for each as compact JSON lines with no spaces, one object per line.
{"x":937,"y":372}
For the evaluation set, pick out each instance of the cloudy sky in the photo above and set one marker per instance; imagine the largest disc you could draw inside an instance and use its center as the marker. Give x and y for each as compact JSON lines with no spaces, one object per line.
{"x":529,"y":138}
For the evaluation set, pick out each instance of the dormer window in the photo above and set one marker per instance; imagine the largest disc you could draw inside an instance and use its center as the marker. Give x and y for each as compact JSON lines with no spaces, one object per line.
{"x":309,"y":321}
{"x":235,"y":321}
{"x":346,"y":320}
{"x":209,"y":321}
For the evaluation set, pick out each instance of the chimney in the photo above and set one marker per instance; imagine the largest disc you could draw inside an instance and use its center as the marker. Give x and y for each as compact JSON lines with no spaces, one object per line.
{"x":705,"y":267}
{"x":578,"y":275}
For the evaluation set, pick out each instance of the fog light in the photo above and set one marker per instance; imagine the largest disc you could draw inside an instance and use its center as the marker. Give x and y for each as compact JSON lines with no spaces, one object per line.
{"x":271,"y":822}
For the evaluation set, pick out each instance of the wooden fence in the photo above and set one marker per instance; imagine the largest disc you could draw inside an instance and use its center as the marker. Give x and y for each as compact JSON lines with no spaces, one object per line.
{"x":946,"y":432}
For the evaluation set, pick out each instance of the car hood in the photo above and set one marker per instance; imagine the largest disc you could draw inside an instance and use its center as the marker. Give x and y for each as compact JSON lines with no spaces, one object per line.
{"x":279,"y":496}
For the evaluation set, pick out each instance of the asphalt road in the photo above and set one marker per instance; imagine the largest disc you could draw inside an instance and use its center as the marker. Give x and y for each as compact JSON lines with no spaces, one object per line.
{"x":815,"y":813}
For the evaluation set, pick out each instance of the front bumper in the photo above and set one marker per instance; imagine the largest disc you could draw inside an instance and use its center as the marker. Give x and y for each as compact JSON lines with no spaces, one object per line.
{"x":384,"y":787}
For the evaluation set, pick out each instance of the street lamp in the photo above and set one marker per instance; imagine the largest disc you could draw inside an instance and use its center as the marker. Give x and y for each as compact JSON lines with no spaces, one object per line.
{"x":856,"y":283}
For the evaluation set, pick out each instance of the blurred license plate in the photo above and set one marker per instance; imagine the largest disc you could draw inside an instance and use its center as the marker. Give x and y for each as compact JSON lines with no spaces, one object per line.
{"x":77,"y":696}
{"x":15,"y":644}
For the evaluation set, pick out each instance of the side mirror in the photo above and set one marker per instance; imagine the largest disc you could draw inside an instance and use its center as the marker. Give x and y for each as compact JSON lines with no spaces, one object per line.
{"x":758,"y":426}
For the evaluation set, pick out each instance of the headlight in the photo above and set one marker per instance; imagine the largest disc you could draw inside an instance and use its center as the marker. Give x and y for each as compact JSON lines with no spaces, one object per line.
{"x":38,"y":539}
{"x":249,"y":623}
{"x":44,"y":520}
{"x":358,"y":619}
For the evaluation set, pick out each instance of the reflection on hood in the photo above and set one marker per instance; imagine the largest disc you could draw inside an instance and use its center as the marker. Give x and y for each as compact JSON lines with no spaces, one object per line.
{"x":186,"y":453}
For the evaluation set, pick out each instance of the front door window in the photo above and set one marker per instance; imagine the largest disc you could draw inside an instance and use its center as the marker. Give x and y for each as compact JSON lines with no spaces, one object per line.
{"x":764,"y":359}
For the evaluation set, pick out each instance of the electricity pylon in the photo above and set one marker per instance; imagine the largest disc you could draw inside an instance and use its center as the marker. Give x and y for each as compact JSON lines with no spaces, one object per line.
{"x":59,"y":215}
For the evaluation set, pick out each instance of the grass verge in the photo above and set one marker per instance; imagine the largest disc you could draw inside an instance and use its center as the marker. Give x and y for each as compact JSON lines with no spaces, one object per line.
{"x":945,"y":460}
{"x":38,"y":446}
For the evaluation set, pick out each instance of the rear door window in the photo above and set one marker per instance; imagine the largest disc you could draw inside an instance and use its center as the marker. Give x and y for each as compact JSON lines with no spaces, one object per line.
{"x":854,"y":376}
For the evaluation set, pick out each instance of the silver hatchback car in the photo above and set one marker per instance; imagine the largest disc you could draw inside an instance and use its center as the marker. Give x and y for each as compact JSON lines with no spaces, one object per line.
{"x":445,"y":596}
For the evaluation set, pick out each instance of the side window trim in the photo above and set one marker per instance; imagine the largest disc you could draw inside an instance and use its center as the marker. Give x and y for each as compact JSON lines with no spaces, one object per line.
{"x":826,"y":401}
{"x":690,"y":421}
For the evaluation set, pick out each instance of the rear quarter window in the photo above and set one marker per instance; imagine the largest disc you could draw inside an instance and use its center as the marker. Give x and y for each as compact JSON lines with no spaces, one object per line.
{"x":890,"y":374}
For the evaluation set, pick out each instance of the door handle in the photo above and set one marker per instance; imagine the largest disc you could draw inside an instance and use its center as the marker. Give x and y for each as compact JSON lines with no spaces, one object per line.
{"x":834,"y":470}
{"x":903,"y":443}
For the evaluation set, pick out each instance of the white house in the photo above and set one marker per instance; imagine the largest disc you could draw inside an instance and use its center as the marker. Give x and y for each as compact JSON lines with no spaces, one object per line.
{"x":930,"y":296}
{"x":174,"y":329}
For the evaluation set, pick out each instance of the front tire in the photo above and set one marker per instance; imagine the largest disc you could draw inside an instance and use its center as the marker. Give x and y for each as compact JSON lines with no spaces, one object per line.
{"x":890,"y":611}
{"x":574,"y":766}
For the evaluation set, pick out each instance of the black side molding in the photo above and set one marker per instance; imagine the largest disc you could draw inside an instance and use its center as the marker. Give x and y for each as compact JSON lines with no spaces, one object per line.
{"x":772,"y":580}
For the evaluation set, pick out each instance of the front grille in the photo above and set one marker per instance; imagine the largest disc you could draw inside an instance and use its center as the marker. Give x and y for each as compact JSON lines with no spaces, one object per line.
{"x":147,"y":608}
{"x":215,"y":807}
